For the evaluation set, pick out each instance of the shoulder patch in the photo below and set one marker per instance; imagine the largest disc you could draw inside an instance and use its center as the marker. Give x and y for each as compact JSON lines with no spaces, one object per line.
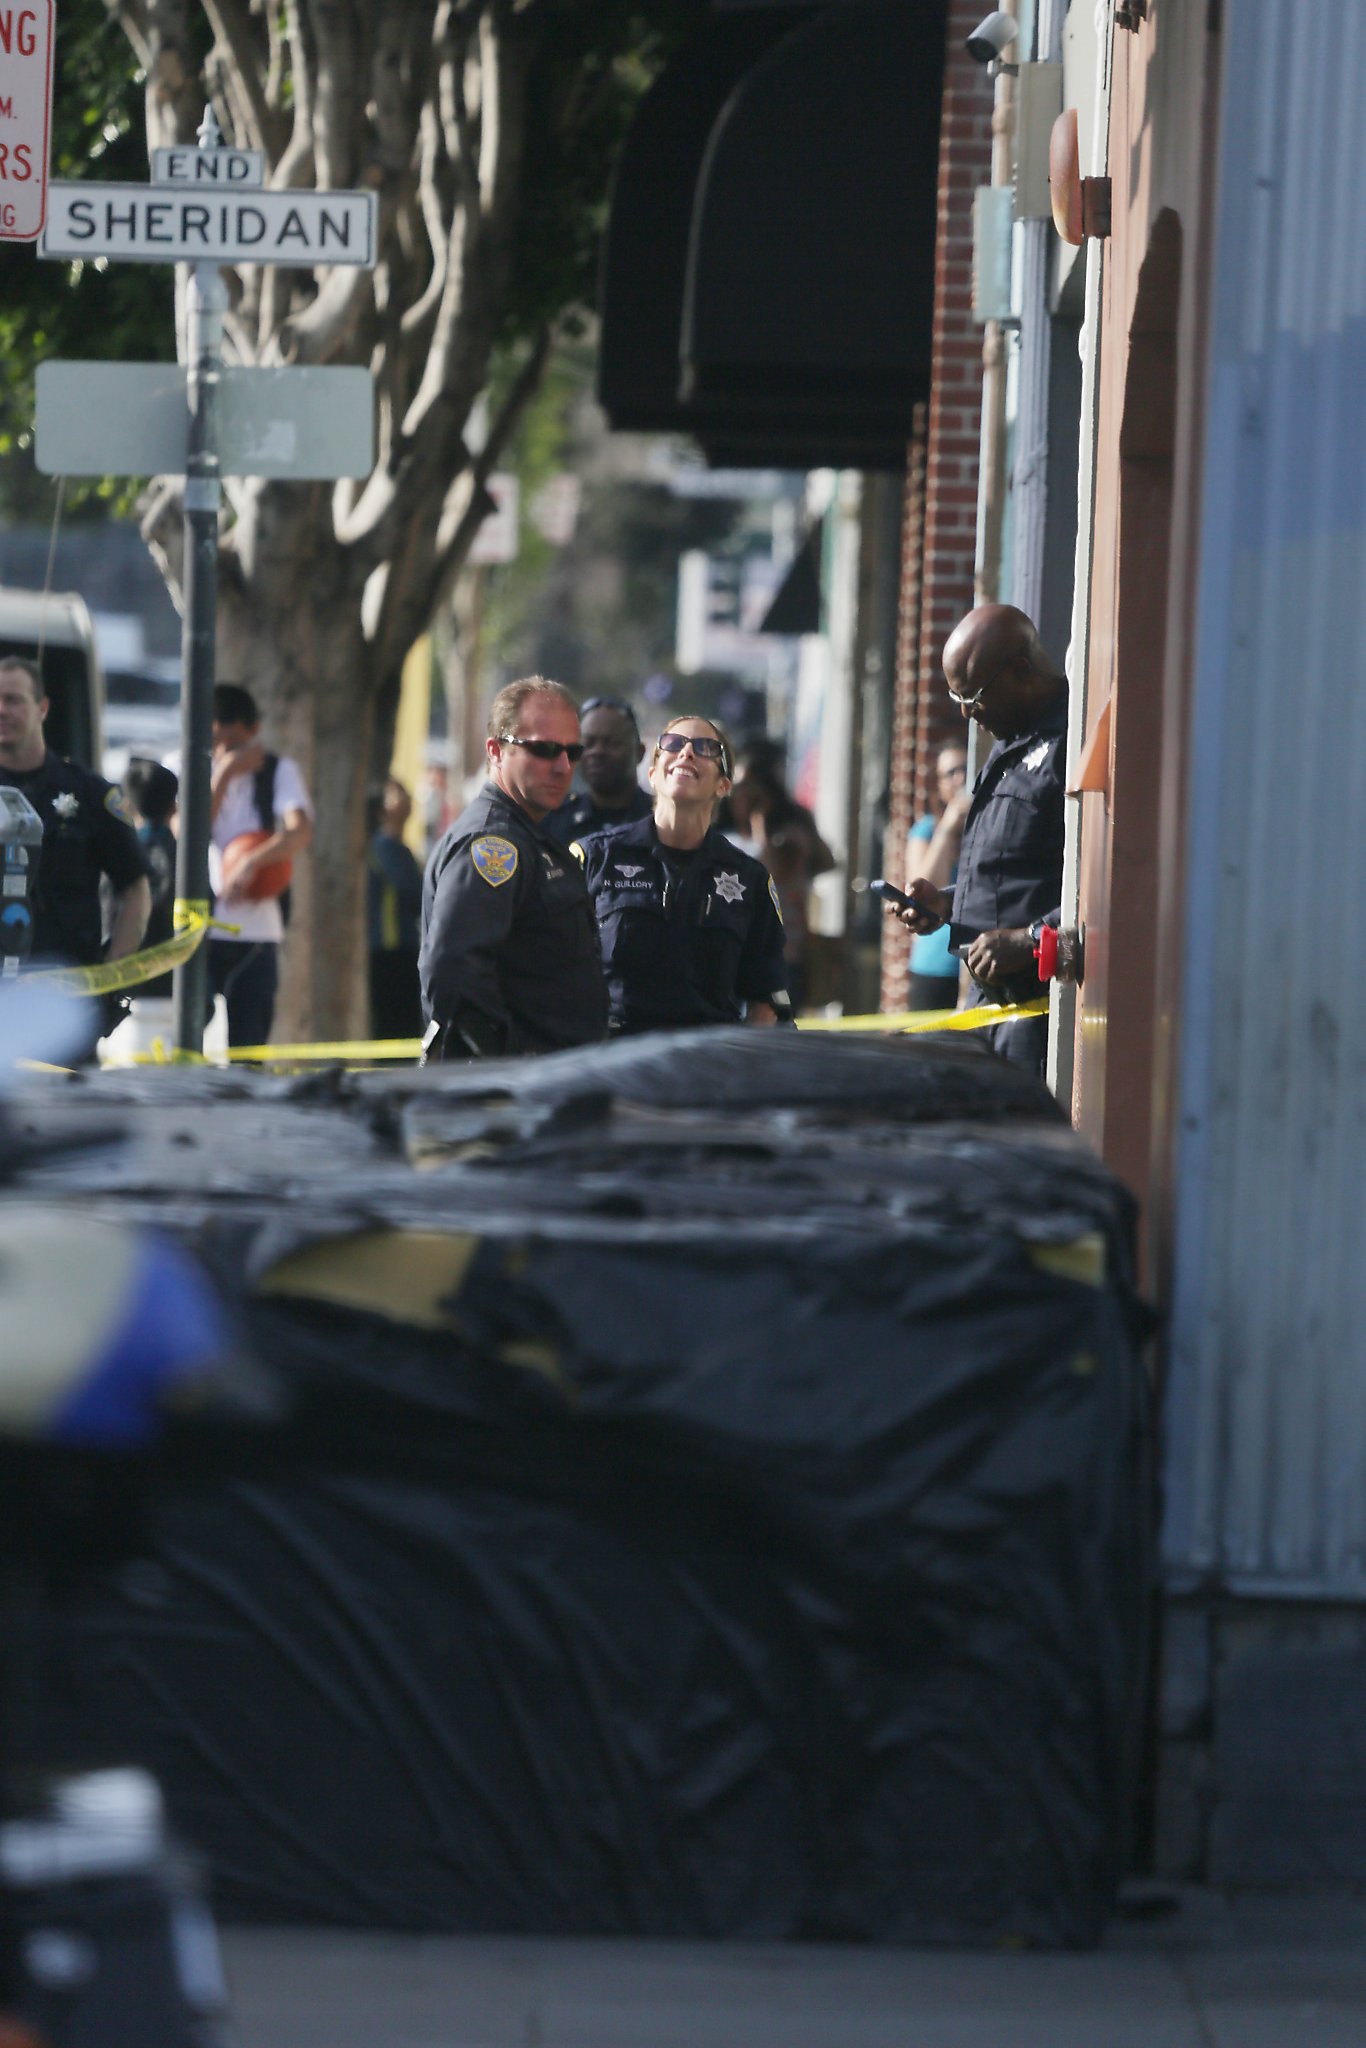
{"x":494,"y":859}
{"x":773,"y":892}
{"x":113,"y":803}
{"x":576,"y":848}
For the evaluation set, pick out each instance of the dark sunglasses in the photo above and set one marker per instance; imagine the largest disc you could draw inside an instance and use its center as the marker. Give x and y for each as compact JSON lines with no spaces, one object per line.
{"x":543,"y":750}
{"x":705,"y":749}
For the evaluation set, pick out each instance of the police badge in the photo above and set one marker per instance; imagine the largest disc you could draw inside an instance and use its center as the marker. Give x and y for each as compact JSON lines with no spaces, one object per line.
{"x":494,"y":859}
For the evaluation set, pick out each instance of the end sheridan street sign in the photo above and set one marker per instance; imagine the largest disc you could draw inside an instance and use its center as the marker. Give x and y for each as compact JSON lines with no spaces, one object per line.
{"x":174,"y":224}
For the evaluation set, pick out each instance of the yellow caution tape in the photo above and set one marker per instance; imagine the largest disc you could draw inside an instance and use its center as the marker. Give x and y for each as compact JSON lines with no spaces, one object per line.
{"x":355,"y":1051}
{"x":931,"y":1020}
{"x":359,"y":1051}
{"x":134,"y":968}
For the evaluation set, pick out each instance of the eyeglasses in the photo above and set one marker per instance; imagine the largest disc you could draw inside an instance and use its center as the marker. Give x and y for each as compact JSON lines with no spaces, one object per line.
{"x":544,"y":750}
{"x":969,"y":704}
{"x":705,"y":749}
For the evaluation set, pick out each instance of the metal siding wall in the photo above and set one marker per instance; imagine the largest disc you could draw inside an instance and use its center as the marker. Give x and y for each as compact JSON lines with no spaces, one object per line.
{"x":1266,"y":1480}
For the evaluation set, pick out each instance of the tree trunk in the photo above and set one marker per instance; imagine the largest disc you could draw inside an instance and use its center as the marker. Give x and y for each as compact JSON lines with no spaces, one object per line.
{"x":322,"y":590}
{"x":290,"y":629}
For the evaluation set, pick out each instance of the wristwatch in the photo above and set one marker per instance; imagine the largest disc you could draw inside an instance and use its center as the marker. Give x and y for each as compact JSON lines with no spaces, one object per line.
{"x":1036,"y":931}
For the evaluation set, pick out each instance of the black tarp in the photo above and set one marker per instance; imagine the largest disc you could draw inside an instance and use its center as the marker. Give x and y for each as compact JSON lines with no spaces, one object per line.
{"x":718,"y":1501}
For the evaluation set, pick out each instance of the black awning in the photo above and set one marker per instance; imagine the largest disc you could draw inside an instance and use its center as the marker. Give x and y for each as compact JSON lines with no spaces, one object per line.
{"x":645,"y":252}
{"x":798,"y":333}
{"x":796,"y":605}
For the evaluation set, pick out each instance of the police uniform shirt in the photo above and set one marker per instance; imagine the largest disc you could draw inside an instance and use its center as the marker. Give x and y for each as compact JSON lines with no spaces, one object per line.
{"x":685,"y":940}
{"x":579,"y":816}
{"x":507,"y":929}
{"x":1010,"y":867}
{"x":86,"y":834}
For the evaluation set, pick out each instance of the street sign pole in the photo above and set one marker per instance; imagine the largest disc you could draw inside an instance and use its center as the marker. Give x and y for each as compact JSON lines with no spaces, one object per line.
{"x":211,"y":209}
{"x":208,"y":299}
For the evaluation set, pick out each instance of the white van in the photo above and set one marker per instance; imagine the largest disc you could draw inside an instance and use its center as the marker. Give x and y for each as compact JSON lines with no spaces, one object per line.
{"x":55,"y":631}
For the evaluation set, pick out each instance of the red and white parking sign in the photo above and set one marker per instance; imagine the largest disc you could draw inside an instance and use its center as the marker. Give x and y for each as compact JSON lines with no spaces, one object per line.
{"x":25,"y":116}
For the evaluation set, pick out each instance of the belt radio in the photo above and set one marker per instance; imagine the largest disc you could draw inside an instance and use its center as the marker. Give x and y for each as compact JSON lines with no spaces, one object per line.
{"x":21,"y":849}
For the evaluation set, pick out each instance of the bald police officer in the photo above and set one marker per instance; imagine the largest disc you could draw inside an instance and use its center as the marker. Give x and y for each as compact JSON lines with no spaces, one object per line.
{"x":1009,"y":880}
{"x":510,"y":961}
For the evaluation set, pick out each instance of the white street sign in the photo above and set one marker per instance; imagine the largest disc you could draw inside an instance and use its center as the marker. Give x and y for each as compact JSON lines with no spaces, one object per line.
{"x":190,"y":166}
{"x":132,"y":419}
{"x":25,"y":116}
{"x":161,"y":224}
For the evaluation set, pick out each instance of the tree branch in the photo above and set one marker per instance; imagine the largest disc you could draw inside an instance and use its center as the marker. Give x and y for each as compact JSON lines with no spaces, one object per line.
{"x":321,"y":329}
{"x":174,"y":96}
{"x":131,"y":16}
{"x":162,"y":526}
{"x":241,"y":45}
{"x":275,"y":65}
{"x":433,"y":203}
{"x":429,"y":446}
{"x":453,"y":81}
{"x":337,"y":67}
{"x":299,"y":151}
{"x":399,"y":82}
{"x":415,"y":587}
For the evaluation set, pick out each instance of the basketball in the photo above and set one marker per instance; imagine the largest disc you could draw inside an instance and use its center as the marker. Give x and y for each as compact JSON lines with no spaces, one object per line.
{"x":268,"y":882}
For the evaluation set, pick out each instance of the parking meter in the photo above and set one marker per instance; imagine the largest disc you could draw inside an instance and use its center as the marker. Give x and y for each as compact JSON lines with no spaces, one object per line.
{"x":21,"y":850}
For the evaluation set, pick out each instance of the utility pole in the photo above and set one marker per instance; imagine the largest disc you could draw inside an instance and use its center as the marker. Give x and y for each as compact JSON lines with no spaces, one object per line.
{"x":208,"y":300}
{"x":1037,"y":244}
{"x":995,"y":366}
{"x":120,"y":419}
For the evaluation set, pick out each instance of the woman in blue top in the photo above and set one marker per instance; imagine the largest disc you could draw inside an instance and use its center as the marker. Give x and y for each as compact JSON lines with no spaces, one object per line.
{"x":932,"y":854}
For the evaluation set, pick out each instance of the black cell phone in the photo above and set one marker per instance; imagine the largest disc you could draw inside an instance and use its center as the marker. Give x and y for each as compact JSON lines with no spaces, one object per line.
{"x":889,"y":893}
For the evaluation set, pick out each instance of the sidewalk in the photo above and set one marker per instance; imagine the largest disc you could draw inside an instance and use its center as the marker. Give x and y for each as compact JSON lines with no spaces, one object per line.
{"x":1270,"y":1972}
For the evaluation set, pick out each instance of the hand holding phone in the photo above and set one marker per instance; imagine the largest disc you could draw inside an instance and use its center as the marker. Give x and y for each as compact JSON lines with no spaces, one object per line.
{"x":915,"y":912}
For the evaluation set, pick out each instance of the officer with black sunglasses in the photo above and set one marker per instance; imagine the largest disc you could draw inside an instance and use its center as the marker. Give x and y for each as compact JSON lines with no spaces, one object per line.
{"x":611,"y":793}
{"x":690,"y":926}
{"x":510,"y":960}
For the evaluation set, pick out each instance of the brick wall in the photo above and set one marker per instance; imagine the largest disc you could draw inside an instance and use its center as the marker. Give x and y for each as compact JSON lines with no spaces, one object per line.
{"x":940,"y":532}
{"x":896,"y":940}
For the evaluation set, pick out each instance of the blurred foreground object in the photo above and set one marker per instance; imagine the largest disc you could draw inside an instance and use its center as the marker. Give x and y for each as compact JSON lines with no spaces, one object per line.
{"x":727,"y":1513}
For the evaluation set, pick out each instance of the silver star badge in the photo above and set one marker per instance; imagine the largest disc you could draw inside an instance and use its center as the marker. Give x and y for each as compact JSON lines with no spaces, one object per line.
{"x":66,"y":805}
{"x":730,"y":888}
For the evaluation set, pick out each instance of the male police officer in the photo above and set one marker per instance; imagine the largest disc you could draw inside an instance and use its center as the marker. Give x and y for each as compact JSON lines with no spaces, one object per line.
{"x":612,"y":753}
{"x":510,"y":960}
{"x":1009,"y":881}
{"x":85,"y":835}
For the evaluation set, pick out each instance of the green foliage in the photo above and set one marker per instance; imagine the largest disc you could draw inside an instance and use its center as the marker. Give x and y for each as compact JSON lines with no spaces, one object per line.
{"x":121,"y":312}
{"x":592,"y":61}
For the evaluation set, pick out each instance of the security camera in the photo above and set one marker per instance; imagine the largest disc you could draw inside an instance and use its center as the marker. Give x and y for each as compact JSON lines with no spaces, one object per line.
{"x":986,"y":44}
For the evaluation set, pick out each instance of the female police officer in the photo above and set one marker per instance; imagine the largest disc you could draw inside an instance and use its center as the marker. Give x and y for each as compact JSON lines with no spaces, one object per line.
{"x":690,"y":927}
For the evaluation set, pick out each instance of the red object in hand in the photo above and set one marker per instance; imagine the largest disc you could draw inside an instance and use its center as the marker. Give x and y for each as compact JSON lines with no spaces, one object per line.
{"x":1046,"y":952}
{"x":268,"y":882}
